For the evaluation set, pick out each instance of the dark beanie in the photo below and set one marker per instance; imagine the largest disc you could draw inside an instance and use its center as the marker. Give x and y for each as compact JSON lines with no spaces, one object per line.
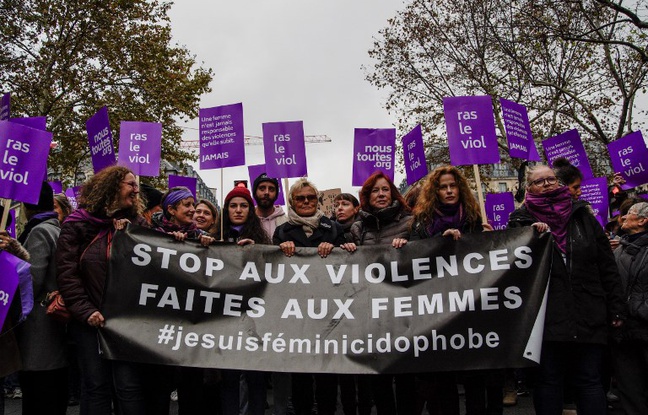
{"x":45,"y":200}
{"x":239,"y":191}
{"x":264,"y":178}
{"x":153,"y":196}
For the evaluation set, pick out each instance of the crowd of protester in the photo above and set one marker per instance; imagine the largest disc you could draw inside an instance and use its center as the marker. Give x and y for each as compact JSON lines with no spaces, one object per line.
{"x":596,"y":316}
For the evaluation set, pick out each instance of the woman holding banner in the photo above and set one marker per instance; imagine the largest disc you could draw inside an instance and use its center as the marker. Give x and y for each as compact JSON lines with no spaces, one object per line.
{"x":206,"y":217}
{"x":384,"y":219}
{"x":584,"y":299}
{"x":242,"y":226}
{"x":446,"y":207}
{"x":108,"y":201}
{"x":307,"y":226}
{"x":194,"y":384}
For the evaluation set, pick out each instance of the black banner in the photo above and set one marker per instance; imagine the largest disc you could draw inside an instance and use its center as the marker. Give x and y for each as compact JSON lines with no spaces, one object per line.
{"x":432,"y":305}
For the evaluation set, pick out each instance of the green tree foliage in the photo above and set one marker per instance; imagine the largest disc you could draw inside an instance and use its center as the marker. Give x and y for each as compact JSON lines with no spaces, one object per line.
{"x":67,"y":58}
{"x":573,"y":64}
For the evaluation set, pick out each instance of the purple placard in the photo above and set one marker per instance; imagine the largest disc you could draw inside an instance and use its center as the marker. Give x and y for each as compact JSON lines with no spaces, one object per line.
{"x":373,"y":149}
{"x":57,"y":186}
{"x":414,"y":155}
{"x":23,"y":161}
{"x":8,"y":283}
{"x":644,"y":196}
{"x":100,"y":140}
{"x":254,"y":172}
{"x":628,"y":155}
{"x":11,"y":229}
{"x":284,"y":149}
{"x":471,"y":130}
{"x":518,"y":131}
{"x":595,"y":192}
{"x":222,"y":143}
{"x":569,"y":146}
{"x":140,"y":144}
{"x":72,"y":195}
{"x":39,"y":123}
{"x":498,"y":208}
{"x":188,"y":182}
{"x":5,"y":108}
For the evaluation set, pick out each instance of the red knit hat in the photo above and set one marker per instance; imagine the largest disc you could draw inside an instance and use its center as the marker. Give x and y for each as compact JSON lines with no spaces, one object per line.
{"x":239,"y":191}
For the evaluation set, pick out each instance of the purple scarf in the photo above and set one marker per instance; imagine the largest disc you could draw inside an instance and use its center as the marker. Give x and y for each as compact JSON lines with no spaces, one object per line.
{"x":553,"y":208}
{"x":446,"y":217}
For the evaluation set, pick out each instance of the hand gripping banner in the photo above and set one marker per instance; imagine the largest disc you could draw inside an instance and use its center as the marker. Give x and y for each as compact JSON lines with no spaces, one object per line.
{"x":433,"y":305}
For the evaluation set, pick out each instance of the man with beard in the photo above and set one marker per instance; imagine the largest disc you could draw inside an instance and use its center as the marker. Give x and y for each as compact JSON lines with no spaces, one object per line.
{"x":265,"y":192}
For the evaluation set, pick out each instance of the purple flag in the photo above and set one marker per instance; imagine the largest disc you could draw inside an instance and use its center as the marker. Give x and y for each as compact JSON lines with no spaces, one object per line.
{"x":8,"y":282}
{"x":498,"y":208}
{"x":222,"y":143}
{"x":595,"y":192}
{"x":72,"y":195}
{"x":414,"y":155}
{"x":100,"y":140}
{"x":188,"y":182}
{"x":23,"y":161}
{"x":140,"y":144}
{"x":5,"y":108}
{"x":255,"y":171}
{"x":57,"y":186}
{"x":39,"y":123}
{"x":628,"y":155}
{"x":569,"y":146}
{"x":518,"y":131}
{"x":471,"y":130}
{"x":284,"y":149}
{"x":373,"y":149}
{"x":644,"y":196}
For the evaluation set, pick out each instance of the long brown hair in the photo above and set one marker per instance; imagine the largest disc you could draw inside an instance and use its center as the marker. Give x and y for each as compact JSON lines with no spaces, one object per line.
{"x":367,"y":186}
{"x":428,"y":199}
{"x":100,"y":193}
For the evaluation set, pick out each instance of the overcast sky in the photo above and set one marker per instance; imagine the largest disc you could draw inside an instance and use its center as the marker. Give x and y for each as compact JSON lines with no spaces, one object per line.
{"x":290,"y":60}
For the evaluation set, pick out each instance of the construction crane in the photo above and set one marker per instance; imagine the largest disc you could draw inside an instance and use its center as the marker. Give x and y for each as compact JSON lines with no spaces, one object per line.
{"x":255,"y":140}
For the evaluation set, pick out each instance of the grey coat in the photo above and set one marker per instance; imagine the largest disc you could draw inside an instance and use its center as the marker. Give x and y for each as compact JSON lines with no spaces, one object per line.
{"x":42,"y":341}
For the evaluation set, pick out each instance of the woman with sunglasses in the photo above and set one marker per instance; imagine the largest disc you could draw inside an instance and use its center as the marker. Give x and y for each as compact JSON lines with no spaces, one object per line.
{"x":307,"y":226}
{"x":585,"y":299}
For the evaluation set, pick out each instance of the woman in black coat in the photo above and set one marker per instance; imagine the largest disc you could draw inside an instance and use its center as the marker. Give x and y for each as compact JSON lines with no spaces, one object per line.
{"x":584,"y":299}
{"x":307,"y":226}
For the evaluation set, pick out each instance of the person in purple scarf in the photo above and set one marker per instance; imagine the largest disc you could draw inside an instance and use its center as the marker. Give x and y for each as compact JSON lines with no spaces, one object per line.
{"x":108,"y":201}
{"x":446,"y":207}
{"x":177,"y":216}
{"x":585,"y":298}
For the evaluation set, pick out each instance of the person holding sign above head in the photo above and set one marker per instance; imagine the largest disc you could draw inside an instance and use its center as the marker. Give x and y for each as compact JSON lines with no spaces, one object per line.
{"x":585,"y":297}
{"x":447,"y":208}
{"x":384,"y":219}
{"x":108,"y":201}
{"x":307,"y":226}
{"x":242,"y":226}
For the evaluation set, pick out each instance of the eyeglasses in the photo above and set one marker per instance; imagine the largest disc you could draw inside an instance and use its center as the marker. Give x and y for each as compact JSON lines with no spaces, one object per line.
{"x":548,"y":180}
{"x":307,"y":198}
{"x":134,"y":185}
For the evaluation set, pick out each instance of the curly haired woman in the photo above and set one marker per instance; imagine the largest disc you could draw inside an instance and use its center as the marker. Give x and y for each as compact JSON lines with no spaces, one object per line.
{"x":108,"y":201}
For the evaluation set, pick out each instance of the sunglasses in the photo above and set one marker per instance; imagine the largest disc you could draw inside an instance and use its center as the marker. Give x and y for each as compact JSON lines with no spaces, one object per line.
{"x":307,"y":198}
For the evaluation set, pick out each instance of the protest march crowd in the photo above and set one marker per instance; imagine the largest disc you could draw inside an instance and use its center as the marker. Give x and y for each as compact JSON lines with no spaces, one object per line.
{"x":595,"y":328}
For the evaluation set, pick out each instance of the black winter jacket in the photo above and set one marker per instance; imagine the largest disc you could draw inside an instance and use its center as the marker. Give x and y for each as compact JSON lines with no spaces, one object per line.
{"x":379,"y":229}
{"x":632,"y":259}
{"x":585,"y":292}
{"x":327,"y":231}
